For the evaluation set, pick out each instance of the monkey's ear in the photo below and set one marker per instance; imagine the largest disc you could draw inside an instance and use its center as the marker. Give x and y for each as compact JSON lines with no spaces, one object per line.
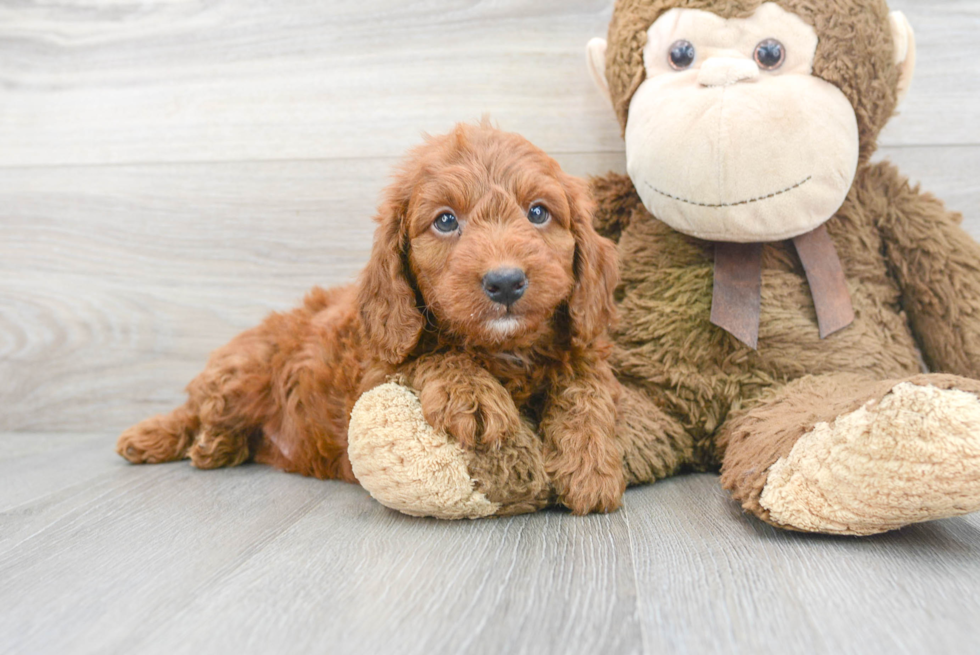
{"x":596,"y":55}
{"x":904,"y":39}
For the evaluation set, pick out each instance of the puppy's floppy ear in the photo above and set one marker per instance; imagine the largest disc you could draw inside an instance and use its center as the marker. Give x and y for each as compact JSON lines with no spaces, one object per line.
{"x":386,"y":298}
{"x":592,"y":306}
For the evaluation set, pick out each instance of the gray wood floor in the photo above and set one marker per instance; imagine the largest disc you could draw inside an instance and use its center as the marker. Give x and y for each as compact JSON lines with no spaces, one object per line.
{"x":100,"y":557}
{"x":170,"y":171}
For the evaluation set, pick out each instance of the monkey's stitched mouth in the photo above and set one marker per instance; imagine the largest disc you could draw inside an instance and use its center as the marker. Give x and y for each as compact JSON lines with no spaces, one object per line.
{"x":728,"y":204}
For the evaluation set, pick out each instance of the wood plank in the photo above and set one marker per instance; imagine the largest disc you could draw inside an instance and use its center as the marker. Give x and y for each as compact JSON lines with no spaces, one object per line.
{"x":944,"y":32}
{"x":97,"y":82}
{"x":116,"y":283}
{"x":166,"y":559}
{"x":35,"y":466}
{"x":93,"y":570}
{"x":28,"y":444}
{"x":370,"y":583}
{"x":201,"y":81}
{"x":714,"y":581}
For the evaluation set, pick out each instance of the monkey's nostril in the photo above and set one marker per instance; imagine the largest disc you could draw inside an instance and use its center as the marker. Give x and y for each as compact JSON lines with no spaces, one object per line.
{"x":505,"y":285}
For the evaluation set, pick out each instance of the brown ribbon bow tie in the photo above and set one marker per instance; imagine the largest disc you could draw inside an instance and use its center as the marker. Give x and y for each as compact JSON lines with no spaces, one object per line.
{"x":737,"y":301}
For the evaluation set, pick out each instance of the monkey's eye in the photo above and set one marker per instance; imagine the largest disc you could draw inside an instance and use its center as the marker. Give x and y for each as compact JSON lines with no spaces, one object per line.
{"x":681,"y":55}
{"x":770,"y":54}
{"x":447,"y":223}
{"x":538,"y":214}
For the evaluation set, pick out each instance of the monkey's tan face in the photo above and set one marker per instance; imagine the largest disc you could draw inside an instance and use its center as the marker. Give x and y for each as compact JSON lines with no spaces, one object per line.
{"x":731,"y":137}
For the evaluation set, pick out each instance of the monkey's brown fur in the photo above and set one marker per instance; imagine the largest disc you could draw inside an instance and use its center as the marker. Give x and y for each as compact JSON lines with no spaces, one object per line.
{"x":695,"y":396}
{"x":282,"y":393}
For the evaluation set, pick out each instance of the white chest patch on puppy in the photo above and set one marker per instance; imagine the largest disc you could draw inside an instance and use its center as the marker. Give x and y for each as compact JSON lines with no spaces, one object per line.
{"x":505,"y":326}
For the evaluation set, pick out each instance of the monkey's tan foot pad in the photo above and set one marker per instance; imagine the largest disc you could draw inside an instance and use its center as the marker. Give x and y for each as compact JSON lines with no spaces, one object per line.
{"x":912,"y":456}
{"x":405,"y":464}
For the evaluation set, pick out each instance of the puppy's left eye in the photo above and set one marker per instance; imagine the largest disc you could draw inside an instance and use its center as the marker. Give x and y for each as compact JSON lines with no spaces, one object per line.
{"x":538,"y":214}
{"x":446,"y":223}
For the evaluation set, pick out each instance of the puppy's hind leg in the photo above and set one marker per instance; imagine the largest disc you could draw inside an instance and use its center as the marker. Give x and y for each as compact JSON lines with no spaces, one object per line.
{"x":214,"y":448}
{"x":231,"y":398}
{"x":163,"y":438}
{"x":226,"y":403}
{"x":182,"y":434}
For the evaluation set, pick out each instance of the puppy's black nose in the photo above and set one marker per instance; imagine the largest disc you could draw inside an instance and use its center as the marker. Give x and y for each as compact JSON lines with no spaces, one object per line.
{"x":505,"y":285}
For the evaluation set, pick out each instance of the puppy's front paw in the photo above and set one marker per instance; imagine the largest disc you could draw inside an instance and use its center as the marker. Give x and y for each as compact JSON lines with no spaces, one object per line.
{"x":596,"y":493}
{"x":585,"y":488}
{"x":479,"y":413}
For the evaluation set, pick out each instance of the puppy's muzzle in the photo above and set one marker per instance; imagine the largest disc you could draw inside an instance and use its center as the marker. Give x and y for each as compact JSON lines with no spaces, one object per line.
{"x":505,"y":285}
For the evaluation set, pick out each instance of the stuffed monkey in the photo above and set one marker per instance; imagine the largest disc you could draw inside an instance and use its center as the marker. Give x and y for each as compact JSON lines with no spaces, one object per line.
{"x":777,"y":287}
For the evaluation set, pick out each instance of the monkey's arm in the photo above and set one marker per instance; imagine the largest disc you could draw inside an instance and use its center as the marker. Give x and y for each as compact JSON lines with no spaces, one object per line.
{"x":937,"y":265}
{"x":616,"y":200}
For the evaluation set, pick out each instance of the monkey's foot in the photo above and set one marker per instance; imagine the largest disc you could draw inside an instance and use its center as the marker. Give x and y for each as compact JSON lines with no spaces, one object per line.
{"x":408,"y":466}
{"x":913,"y":455}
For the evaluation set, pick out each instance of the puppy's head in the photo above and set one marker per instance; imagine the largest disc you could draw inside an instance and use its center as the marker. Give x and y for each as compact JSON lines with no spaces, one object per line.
{"x":485,"y":233}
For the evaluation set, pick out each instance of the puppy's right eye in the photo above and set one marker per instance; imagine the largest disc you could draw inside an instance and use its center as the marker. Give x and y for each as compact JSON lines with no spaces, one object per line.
{"x":447,"y":223}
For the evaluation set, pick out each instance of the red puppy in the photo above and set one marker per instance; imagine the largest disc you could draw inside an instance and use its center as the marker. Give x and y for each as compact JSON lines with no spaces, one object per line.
{"x":488,"y":291}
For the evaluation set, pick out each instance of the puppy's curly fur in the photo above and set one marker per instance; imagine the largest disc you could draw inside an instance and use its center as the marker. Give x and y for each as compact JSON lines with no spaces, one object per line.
{"x":281,"y":393}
